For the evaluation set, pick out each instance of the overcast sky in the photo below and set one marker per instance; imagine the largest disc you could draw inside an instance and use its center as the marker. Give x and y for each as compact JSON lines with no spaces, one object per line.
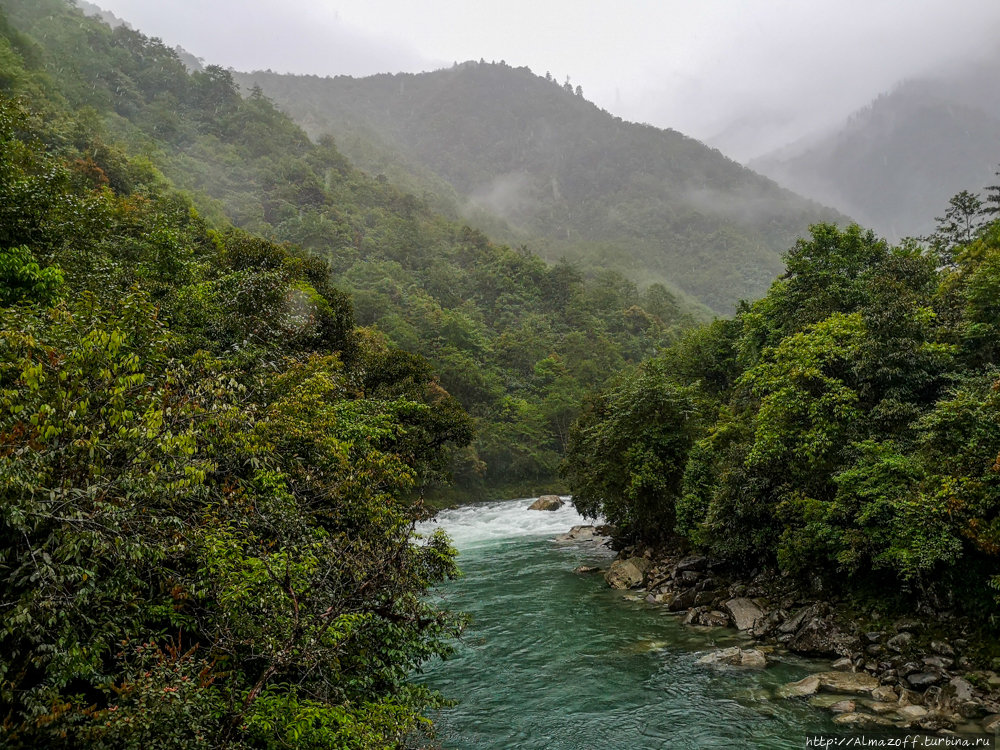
{"x":745,"y":75}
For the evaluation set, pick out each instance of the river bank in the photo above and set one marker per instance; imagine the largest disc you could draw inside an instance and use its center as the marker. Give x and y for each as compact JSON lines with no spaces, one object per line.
{"x":916,"y":672}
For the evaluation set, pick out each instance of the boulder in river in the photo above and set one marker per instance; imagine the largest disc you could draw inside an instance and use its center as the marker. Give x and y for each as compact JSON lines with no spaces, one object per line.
{"x":627,"y":574}
{"x":857,"y":719}
{"x":835,"y":682}
{"x":547,"y":502}
{"x":847,"y":682}
{"x":734,"y":657}
{"x":806,"y":686}
{"x":587,"y":569}
{"x":744,"y":612}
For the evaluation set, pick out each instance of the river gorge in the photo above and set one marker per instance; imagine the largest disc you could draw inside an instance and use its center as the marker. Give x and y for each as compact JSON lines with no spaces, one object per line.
{"x":556,"y":659}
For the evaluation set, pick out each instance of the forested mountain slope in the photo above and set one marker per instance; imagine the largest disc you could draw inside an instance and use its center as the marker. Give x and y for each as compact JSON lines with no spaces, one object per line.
{"x":844,"y":429}
{"x":567,"y":176}
{"x":516,"y":341}
{"x":894,"y":164}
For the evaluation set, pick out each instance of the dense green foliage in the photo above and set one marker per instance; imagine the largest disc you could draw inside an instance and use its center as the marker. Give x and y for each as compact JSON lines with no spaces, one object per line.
{"x":206,"y":476}
{"x":846,"y":423}
{"x":516,"y":341}
{"x":503,"y":144}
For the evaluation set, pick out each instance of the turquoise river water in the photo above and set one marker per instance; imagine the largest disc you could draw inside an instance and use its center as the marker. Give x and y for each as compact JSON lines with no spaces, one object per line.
{"x":555,"y":659}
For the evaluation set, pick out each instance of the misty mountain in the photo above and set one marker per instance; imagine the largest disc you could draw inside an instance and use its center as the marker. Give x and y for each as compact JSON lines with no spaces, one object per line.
{"x":519,"y":153}
{"x":894,"y":164}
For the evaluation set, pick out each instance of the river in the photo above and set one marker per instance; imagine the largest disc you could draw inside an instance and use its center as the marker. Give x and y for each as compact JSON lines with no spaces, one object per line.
{"x":556,"y":659}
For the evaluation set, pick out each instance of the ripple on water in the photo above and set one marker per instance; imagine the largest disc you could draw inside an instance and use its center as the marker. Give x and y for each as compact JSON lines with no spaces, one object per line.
{"x":556,"y":660}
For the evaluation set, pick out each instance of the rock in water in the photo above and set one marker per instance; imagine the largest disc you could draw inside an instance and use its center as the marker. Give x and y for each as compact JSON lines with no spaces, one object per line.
{"x":744,"y":612}
{"x":885,"y":695}
{"x":807,"y":686}
{"x":847,"y":682}
{"x":627,"y":574}
{"x":587,"y":569}
{"x":735,"y":657}
{"x":547,"y":502}
{"x":862,"y":720}
{"x":835,"y":682}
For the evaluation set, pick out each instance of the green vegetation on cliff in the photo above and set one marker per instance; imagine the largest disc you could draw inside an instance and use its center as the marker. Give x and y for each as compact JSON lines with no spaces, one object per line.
{"x":847,"y":425}
{"x":516,"y":341}
{"x":501,"y":144}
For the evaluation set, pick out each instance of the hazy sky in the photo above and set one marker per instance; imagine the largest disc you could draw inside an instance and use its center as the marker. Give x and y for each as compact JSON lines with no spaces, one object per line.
{"x":745,"y":75}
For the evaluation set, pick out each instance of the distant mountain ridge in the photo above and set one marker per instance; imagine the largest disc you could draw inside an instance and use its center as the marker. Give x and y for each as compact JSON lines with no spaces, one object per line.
{"x":507,"y":147}
{"x":894,"y":164}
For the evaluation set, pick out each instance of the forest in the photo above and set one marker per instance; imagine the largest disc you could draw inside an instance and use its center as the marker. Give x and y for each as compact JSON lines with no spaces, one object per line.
{"x":529,"y":159}
{"x":236,"y":371}
{"x":846,"y":426}
{"x":515,"y":340}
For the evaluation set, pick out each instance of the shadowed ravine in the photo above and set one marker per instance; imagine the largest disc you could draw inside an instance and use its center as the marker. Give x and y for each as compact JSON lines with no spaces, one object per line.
{"x":555,"y":659}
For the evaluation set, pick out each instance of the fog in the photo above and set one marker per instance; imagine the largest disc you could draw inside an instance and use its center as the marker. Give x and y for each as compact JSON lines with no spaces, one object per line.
{"x":747,"y":77}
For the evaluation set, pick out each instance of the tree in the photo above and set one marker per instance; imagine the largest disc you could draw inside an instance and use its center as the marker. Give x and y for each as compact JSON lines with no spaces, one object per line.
{"x":960,"y":225}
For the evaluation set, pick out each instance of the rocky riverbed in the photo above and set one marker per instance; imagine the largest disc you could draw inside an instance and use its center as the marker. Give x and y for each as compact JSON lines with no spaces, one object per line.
{"x":913,"y":674}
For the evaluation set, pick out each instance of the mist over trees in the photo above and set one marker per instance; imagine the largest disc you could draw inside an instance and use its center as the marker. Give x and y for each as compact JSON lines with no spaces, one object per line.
{"x":530,"y":160}
{"x":894,"y":163}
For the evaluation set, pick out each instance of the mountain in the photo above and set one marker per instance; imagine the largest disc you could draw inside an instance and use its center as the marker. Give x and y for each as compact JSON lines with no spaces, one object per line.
{"x":534,"y":158}
{"x":894,"y":164}
{"x":516,"y":341}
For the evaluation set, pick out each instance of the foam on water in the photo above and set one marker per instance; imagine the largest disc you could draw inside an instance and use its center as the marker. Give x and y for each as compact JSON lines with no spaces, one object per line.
{"x":484,"y":524}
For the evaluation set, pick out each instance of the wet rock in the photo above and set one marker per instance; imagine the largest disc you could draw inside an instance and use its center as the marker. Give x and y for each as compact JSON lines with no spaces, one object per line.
{"x":744,"y":612}
{"x":807,"y":686}
{"x":880,"y":707}
{"x":688,"y":577}
{"x":885,"y":695}
{"x":793,"y":624}
{"x":991,"y":723}
{"x":844,"y":707}
{"x":847,"y":682}
{"x":547,"y":502}
{"x":862,"y":720}
{"x":715,"y":619}
{"x":824,"y":700}
{"x":912,"y":711}
{"x":682,"y":601}
{"x":704,"y":598}
{"x":943,"y":648}
{"x":691,"y":618}
{"x":939,"y":662}
{"x":961,"y":689}
{"x":627,"y":574}
{"x":875,"y":636}
{"x":822,"y":637}
{"x":873,"y":649}
{"x":935,"y":721}
{"x":899,"y":643}
{"x":909,"y":697}
{"x":584,"y":534}
{"x":843,"y":664}
{"x":734,"y":657}
{"x":585,"y":569}
{"x":910,"y":668}
{"x":922,"y":680}
{"x":907,"y":624}
{"x":694,"y":562}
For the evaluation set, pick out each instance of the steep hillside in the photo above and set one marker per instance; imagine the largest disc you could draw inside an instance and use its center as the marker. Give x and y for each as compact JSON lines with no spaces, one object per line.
{"x":565,"y":175}
{"x":894,"y":165}
{"x":516,"y":341}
